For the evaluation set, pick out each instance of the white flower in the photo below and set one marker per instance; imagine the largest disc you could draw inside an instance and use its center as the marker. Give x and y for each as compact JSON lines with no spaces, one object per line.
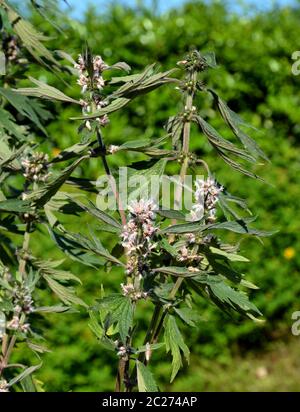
{"x":206,"y":197}
{"x":191,"y":238}
{"x":113,"y":149}
{"x":100,"y":104}
{"x":14,"y":323}
{"x":148,"y":351}
{"x":35,"y":167}
{"x":184,"y":253}
{"x":122,"y":352}
{"x":80,"y":66}
{"x":193,"y":269}
{"x":88,"y":125}
{"x":137,"y":235}
{"x":25,"y":328}
{"x":148,"y":230}
{"x":86,"y":108}
{"x":127,"y":289}
{"x":100,"y":82}
{"x":99,"y":64}
{"x":3,"y":385}
{"x":103,"y":120}
{"x":143,"y":210}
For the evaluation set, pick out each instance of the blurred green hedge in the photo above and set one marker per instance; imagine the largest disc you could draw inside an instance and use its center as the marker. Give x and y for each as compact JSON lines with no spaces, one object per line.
{"x":254,"y":76}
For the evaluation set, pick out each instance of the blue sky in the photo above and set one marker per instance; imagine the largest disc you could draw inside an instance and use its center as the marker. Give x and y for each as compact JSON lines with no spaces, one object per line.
{"x":79,"y":6}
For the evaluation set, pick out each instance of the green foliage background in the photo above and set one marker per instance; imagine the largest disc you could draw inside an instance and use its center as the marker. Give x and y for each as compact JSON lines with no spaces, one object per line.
{"x":254,"y":77}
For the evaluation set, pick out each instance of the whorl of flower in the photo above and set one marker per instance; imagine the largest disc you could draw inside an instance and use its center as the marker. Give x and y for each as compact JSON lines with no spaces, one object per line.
{"x":190,"y":237}
{"x":80,"y":66}
{"x":206,"y":197}
{"x":86,"y":107}
{"x":22,"y":300}
{"x":11,"y":48}
{"x":35,"y":167}
{"x":113,"y":149}
{"x":137,"y":234}
{"x":4,"y":386}
{"x":122,"y":351}
{"x":143,"y":211}
{"x":186,"y":255}
{"x":14,"y":323}
{"x":84,"y":81}
{"x":88,"y":83}
{"x":130,"y":291}
{"x":103,"y":120}
{"x":99,"y":64}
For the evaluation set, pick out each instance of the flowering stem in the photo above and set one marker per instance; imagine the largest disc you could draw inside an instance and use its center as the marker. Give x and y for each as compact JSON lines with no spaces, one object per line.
{"x":110,"y":176}
{"x":159,"y":314}
{"x":178,"y":197}
{"x":122,"y":366}
{"x":22,"y":270}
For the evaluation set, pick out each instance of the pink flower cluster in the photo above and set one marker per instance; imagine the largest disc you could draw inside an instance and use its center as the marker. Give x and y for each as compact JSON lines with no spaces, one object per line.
{"x":137,"y":235}
{"x":206,"y":196}
{"x":130,"y":290}
{"x":84,"y":81}
{"x":88,"y":83}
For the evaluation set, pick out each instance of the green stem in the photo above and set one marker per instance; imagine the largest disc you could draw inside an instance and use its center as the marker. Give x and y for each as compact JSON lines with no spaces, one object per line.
{"x":110,"y":176}
{"x":178,"y":197}
{"x":25,"y":247}
{"x":22,"y":270}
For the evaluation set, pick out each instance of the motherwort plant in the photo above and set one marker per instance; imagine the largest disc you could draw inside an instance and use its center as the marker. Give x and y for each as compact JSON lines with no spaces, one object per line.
{"x":170,"y":258}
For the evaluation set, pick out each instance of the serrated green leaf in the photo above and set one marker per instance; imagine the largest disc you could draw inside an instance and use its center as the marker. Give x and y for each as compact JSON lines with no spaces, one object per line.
{"x":15,"y":205}
{"x":44,"y":91}
{"x":121,"y":66}
{"x":176,"y":271}
{"x":189,"y":316}
{"x":75,"y":150}
{"x":24,"y":106}
{"x":74,"y":249}
{"x":219,"y":143}
{"x":119,"y":308}
{"x":152,"y":347}
{"x":171,"y":214}
{"x":239,"y":226}
{"x":174,"y":344}
{"x":24,"y":374}
{"x":146,"y":382}
{"x":7,"y":123}
{"x":32,"y":39}
{"x":52,"y":309}
{"x":142,"y":179}
{"x":65,"y":294}
{"x":234,"y":121}
{"x":112,"y":107}
{"x":99,"y":214}
{"x":230,"y":256}
{"x":41,"y":196}
{"x":229,"y":298}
